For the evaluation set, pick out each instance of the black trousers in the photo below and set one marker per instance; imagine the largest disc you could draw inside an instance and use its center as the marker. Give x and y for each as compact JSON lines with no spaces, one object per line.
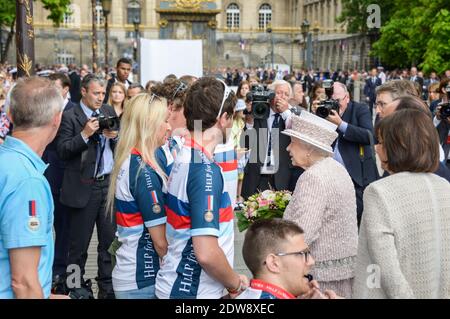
{"x":81,"y":228}
{"x":61,"y":223}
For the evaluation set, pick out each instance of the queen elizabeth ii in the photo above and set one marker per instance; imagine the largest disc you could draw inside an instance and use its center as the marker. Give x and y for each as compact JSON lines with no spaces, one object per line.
{"x":323,"y":203}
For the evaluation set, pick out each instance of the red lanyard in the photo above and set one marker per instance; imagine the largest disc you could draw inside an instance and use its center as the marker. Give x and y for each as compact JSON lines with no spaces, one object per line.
{"x":278,"y":292}
{"x":191,"y":143}
{"x":134,"y":151}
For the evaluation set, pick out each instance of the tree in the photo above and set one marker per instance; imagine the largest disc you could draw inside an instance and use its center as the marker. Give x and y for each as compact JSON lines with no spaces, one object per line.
{"x":354,"y":14}
{"x":412,"y":33}
{"x":417,"y":34}
{"x":57,"y":10}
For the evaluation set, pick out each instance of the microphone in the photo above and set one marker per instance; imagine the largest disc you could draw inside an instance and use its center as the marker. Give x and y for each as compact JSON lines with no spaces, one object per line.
{"x":309,"y":277}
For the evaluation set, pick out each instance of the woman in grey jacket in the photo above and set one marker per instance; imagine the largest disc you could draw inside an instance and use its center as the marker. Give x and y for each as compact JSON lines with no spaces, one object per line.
{"x":404,"y":243}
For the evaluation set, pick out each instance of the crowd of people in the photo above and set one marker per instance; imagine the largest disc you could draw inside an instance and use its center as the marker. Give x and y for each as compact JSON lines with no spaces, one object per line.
{"x":160,"y":169}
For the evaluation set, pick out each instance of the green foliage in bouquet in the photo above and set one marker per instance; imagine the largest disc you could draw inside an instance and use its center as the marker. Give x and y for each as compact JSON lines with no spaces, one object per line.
{"x":266,"y":205}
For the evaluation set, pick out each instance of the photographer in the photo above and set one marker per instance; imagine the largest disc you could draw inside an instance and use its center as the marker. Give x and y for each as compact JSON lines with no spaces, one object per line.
{"x":269,"y":165}
{"x":86,"y":141}
{"x":353,"y":146}
{"x":442,"y":118}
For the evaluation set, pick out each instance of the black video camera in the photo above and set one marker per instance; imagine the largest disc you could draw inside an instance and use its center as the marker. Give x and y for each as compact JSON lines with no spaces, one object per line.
{"x":261,"y":98}
{"x":325,"y":107}
{"x":445,"y":107}
{"x":107,"y":122}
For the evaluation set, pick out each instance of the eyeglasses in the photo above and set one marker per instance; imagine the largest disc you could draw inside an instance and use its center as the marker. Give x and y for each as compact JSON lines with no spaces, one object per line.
{"x":226,"y":94}
{"x":181,"y":87}
{"x":381,"y":104}
{"x":305,"y":253}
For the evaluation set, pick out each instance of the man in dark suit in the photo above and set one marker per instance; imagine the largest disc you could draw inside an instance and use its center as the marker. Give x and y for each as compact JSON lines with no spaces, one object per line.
{"x":269,"y":164}
{"x":75,"y":84}
{"x":123,"y":69}
{"x":54,"y":175}
{"x":88,"y":153}
{"x":415,"y":78}
{"x":370,"y":89}
{"x":443,"y":124}
{"x":353,"y":147}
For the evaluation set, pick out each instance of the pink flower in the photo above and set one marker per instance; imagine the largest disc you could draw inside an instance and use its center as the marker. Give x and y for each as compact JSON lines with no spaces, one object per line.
{"x":263,"y":202}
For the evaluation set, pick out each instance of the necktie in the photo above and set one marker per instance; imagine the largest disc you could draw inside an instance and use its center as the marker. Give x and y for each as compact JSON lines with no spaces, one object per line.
{"x":275,"y":124}
{"x":100,"y":139}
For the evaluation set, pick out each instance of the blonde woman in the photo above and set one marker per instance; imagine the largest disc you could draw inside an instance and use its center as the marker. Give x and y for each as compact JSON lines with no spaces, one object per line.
{"x":117,"y":97}
{"x":136,"y":193}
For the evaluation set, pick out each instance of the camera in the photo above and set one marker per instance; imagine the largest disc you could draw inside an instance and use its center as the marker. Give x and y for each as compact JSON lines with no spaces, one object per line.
{"x":107,"y":122}
{"x":325,"y":107}
{"x":445,"y":107}
{"x":261,"y":98}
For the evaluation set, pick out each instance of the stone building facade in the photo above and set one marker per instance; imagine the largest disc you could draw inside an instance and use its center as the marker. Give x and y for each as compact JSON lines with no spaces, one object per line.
{"x":234,"y":32}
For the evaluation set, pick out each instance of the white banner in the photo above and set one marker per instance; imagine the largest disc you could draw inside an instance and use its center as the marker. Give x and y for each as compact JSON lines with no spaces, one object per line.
{"x":160,"y":58}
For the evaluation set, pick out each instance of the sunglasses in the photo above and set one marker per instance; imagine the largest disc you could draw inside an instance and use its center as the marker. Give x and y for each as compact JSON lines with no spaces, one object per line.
{"x":153,"y":96}
{"x":226,"y":94}
{"x":181,"y":87}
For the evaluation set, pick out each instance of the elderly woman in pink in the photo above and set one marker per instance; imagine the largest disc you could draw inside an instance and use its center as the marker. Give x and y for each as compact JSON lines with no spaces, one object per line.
{"x":323,"y":203}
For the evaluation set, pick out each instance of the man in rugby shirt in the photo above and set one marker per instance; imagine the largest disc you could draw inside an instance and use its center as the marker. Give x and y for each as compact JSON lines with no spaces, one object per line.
{"x":199,"y":261}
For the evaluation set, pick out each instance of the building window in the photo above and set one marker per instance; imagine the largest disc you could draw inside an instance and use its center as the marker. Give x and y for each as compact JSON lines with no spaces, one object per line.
{"x":133,"y":11}
{"x":65,"y":57}
{"x":265,"y":16}
{"x":100,"y":19}
{"x":233,"y":16}
{"x":69,"y":18}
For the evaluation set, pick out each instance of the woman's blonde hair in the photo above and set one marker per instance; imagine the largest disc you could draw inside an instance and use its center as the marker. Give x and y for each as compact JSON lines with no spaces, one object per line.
{"x":124,"y":90}
{"x":139,"y":128}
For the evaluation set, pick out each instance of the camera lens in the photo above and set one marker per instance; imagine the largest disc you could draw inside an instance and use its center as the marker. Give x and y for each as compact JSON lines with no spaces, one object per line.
{"x":260,"y":109}
{"x":323,"y":112}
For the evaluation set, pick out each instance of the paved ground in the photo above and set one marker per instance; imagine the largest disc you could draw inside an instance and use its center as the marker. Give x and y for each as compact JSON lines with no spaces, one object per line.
{"x":91,"y":264}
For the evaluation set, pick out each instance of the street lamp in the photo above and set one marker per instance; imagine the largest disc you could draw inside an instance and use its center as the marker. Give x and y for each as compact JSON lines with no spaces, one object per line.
{"x":106,"y":4}
{"x":316,"y":29}
{"x":270,"y":31}
{"x":305,"y":33}
{"x":136,"y":23}
{"x":94,"y":35}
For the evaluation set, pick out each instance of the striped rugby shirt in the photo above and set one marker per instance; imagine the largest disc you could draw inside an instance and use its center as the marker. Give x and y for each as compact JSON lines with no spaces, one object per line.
{"x":197,"y":205}
{"x":139,"y":202}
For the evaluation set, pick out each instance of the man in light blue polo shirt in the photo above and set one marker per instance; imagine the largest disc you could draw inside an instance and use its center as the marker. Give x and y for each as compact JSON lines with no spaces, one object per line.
{"x":26,"y":205}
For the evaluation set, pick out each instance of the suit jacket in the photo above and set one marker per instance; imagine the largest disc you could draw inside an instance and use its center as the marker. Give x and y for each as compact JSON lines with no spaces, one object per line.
{"x":286,"y":175}
{"x":418,"y":80}
{"x":55,"y":170}
{"x":75,"y":87}
{"x":80,"y":157}
{"x":443,"y":129}
{"x":370,"y":88}
{"x":362,"y":169}
{"x":111,"y":81}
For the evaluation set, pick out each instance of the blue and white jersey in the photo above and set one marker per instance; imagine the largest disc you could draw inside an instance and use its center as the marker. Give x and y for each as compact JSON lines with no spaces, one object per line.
{"x":139,"y":202}
{"x":262,"y":290}
{"x":226,"y":157}
{"x":197,"y":205}
{"x":167,"y":153}
{"x":251,"y":293}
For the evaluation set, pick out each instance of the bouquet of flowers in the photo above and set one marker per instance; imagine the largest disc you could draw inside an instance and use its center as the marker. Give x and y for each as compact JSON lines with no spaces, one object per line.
{"x":266,"y":205}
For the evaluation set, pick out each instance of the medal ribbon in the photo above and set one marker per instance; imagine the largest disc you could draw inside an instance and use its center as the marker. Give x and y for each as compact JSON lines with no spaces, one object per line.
{"x":32,"y":208}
